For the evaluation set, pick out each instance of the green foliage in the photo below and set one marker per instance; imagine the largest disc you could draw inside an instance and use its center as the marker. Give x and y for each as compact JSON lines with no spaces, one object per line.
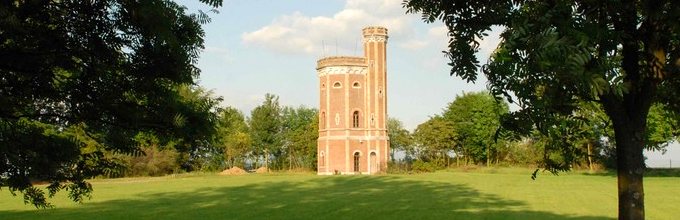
{"x":53,"y":155}
{"x":265,"y":128}
{"x":476,"y":119}
{"x":398,"y":167}
{"x":524,"y":153}
{"x":436,"y":137}
{"x":300,"y":134}
{"x":420,"y":166}
{"x":662,"y":128}
{"x":400,"y":138}
{"x":82,"y":78}
{"x":154,"y":162}
{"x":232,"y":137}
{"x":285,"y":137}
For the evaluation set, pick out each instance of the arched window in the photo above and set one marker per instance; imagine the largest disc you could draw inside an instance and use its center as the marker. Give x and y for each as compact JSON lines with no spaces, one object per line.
{"x":356,"y":85}
{"x":356,"y":161}
{"x":337,"y":85}
{"x":322,"y":122}
{"x":355,"y":119}
{"x":323,"y":86}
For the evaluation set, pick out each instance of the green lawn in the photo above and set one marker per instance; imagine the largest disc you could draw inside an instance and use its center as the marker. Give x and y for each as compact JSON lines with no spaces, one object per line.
{"x":488,"y":194}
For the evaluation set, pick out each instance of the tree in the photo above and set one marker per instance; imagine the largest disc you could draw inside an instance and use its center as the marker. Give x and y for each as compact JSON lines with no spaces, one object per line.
{"x":300,"y":135}
{"x":476,"y":119}
{"x":622,"y":54}
{"x":198,"y":124}
{"x":156,"y":160}
{"x":233,"y":136}
{"x":400,"y":138}
{"x":265,"y":128}
{"x":112,"y":67}
{"x":437,"y":137}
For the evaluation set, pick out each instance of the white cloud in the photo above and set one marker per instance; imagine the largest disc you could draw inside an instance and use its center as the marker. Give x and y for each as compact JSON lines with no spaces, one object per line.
{"x":339,"y":34}
{"x":300,"y":34}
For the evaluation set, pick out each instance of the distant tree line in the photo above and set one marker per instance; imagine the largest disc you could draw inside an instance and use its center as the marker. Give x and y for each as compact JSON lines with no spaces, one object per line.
{"x":470,"y":132}
{"x":273,"y":136}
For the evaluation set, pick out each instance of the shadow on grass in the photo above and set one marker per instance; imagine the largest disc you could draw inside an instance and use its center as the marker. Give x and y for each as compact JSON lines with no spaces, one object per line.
{"x":649,"y":172}
{"x":334,"y":197}
{"x":662,"y":172}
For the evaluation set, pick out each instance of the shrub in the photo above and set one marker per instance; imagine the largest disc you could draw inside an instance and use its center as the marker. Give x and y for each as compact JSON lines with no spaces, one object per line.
{"x":420,"y":166}
{"x":399,"y":167}
{"x":154,"y":162}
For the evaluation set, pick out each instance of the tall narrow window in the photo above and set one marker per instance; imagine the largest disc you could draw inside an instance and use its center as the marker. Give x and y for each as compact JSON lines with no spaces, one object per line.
{"x":356,"y":162}
{"x":355,"y":119}
{"x":323,"y":120}
{"x":323,"y":159}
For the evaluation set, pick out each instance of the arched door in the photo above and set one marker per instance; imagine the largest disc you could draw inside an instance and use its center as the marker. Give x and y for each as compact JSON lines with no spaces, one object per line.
{"x":374,"y":163}
{"x":356,"y":162}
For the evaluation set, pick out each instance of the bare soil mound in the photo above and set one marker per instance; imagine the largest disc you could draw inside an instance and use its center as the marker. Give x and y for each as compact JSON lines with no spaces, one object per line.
{"x":261,"y":170}
{"x":234,"y":171}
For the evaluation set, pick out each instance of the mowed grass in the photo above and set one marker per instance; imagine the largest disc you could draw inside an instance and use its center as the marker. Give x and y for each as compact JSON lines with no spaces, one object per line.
{"x":486,"y":194}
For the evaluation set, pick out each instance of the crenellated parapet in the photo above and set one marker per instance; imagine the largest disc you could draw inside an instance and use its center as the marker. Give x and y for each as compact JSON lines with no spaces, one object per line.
{"x":374,"y":34}
{"x":340,"y":61}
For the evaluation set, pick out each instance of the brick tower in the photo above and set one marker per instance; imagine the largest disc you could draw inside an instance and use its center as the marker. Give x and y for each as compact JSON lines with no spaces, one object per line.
{"x":353,"y":109}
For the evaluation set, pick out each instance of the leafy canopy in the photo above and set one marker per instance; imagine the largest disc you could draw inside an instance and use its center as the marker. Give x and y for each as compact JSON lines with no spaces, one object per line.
{"x":476,"y":118}
{"x":109,"y":69}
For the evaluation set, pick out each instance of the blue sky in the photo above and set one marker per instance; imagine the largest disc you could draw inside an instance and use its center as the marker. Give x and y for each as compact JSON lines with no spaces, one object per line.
{"x":254,"y":47}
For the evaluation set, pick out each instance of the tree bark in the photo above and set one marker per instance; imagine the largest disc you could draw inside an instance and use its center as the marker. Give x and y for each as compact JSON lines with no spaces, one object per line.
{"x":590,"y":156}
{"x":457,"y":159}
{"x":630,"y":166}
{"x":629,"y":119}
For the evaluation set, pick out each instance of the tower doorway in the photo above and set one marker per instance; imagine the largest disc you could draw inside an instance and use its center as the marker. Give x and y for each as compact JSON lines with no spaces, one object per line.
{"x":374,"y":163}
{"x":356,"y":162}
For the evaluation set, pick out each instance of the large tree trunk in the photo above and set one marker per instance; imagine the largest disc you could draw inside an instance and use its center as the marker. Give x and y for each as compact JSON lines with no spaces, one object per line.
{"x":629,"y":118}
{"x":631,"y":166}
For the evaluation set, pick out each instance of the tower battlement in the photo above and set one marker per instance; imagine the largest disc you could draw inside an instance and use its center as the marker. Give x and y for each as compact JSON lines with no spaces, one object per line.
{"x":340,"y":61}
{"x":374,"y":34}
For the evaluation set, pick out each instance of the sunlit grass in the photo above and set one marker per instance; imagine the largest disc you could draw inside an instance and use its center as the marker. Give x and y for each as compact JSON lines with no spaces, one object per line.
{"x":479,"y":194}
